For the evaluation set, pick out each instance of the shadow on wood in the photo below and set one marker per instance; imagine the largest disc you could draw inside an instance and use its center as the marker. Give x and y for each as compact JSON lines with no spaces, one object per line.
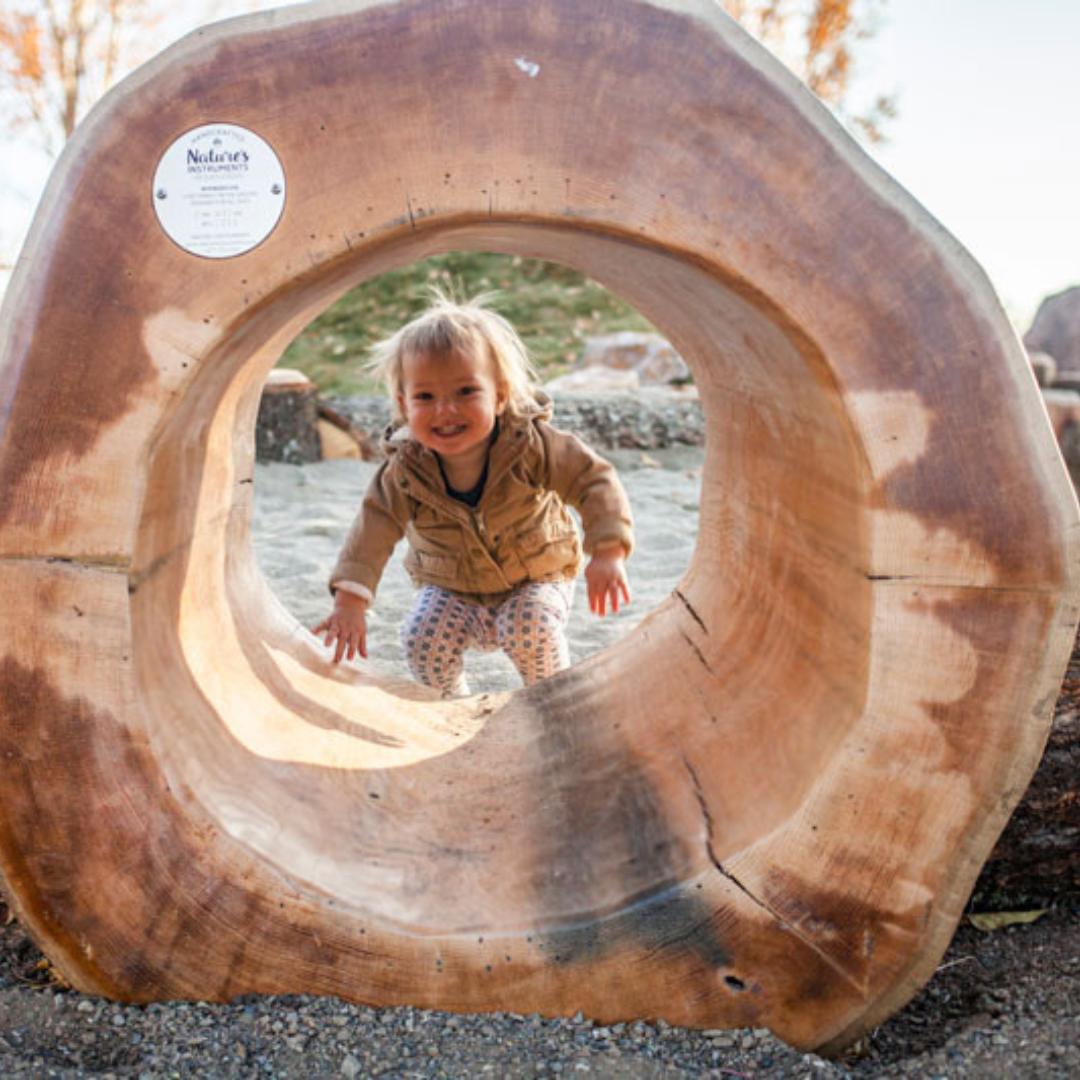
{"x":768,"y":804}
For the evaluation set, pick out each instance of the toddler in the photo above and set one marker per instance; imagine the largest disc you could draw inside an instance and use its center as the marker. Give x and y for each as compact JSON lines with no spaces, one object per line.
{"x":478,"y":482}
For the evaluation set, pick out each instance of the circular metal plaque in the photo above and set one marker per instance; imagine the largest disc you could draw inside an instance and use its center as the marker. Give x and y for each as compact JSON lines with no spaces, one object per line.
{"x":219,"y":190}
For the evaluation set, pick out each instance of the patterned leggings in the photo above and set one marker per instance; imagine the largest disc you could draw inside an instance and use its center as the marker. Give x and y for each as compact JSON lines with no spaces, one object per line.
{"x":528,"y":626}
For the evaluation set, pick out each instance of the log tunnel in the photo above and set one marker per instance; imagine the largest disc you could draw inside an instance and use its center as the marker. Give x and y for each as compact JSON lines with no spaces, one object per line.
{"x":766,"y":805}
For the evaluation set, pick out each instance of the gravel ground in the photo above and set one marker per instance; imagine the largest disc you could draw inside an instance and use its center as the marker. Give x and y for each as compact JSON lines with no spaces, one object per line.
{"x":1005,"y":1003}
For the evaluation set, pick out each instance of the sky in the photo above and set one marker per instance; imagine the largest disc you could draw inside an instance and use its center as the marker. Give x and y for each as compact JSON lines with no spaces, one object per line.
{"x":987,"y":137}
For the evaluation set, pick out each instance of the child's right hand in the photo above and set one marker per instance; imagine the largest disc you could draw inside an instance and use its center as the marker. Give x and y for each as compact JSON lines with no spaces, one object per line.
{"x":346,"y":626}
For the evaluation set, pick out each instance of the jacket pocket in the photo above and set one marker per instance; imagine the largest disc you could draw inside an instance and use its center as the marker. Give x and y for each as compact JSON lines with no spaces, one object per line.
{"x":442,"y":566}
{"x":546,"y":531}
{"x":548,"y":550}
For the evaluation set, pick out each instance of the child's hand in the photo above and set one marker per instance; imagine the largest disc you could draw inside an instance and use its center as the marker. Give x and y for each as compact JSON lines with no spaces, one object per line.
{"x":346,"y":625}
{"x":606,"y":577}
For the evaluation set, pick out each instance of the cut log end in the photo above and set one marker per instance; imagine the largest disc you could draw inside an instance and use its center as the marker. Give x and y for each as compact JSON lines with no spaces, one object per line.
{"x":768,"y":804}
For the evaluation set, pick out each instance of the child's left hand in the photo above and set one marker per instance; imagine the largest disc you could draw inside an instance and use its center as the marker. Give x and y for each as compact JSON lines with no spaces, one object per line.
{"x":606,"y":577}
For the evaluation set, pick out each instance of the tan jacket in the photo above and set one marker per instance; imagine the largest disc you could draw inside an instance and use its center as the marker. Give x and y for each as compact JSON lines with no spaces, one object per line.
{"x":521,"y":529}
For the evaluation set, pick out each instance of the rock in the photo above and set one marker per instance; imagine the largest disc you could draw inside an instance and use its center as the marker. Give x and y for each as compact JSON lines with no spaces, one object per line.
{"x":648,"y":420}
{"x":594,"y":380}
{"x":622,"y":362}
{"x":650,"y":356}
{"x":1056,"y":330}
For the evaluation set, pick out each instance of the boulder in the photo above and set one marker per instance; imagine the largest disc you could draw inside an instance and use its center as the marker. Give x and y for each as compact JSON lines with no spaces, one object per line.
{"x":594,"y":380}
{"x":650,"y":356}
{"x":1056,"y":330}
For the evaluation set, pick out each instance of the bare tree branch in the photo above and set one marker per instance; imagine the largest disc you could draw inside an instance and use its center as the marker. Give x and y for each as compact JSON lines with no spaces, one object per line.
{"x":818,"y":40}
{"x":57,"y":57}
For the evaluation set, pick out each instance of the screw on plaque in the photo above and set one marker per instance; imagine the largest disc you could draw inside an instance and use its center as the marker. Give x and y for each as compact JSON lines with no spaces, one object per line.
{"x":160,"y":193}
{"x":276,"y":189}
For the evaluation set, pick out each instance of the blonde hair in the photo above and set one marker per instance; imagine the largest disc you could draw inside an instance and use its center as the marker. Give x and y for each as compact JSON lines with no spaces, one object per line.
{"x":457,"y":328}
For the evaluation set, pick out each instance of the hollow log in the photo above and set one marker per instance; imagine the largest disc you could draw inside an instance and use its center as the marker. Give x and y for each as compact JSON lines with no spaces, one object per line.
{"x":765,"y":806}
{"x":340,"y":437}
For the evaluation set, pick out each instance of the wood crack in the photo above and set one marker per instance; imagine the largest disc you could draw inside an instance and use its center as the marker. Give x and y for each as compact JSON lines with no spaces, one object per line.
{"x":700,"y":655}
{"x":117,"y":565}
{"x":710,"y":850}
{"x":135,"y":581}
{"x":945,"y":583}
{"x":690,"y":608}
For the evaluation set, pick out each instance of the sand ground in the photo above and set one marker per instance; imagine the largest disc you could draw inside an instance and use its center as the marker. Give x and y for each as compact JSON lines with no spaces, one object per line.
{"x":302,"y":513}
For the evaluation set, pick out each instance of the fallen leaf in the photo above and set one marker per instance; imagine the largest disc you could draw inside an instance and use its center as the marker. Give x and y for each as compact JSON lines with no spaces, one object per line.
{"x":995,"y":920}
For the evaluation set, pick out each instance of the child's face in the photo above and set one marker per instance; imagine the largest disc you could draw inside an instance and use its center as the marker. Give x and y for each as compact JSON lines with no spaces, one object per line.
{"x":450,"y":402}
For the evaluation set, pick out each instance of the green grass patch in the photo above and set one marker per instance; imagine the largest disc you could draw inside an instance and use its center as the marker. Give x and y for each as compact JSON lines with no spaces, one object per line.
{"x":553,"y":307}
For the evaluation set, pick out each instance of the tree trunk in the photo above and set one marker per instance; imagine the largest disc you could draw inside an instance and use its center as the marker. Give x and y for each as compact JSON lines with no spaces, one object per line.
{"x":287,"y":425}
{"x":769,"y":803}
